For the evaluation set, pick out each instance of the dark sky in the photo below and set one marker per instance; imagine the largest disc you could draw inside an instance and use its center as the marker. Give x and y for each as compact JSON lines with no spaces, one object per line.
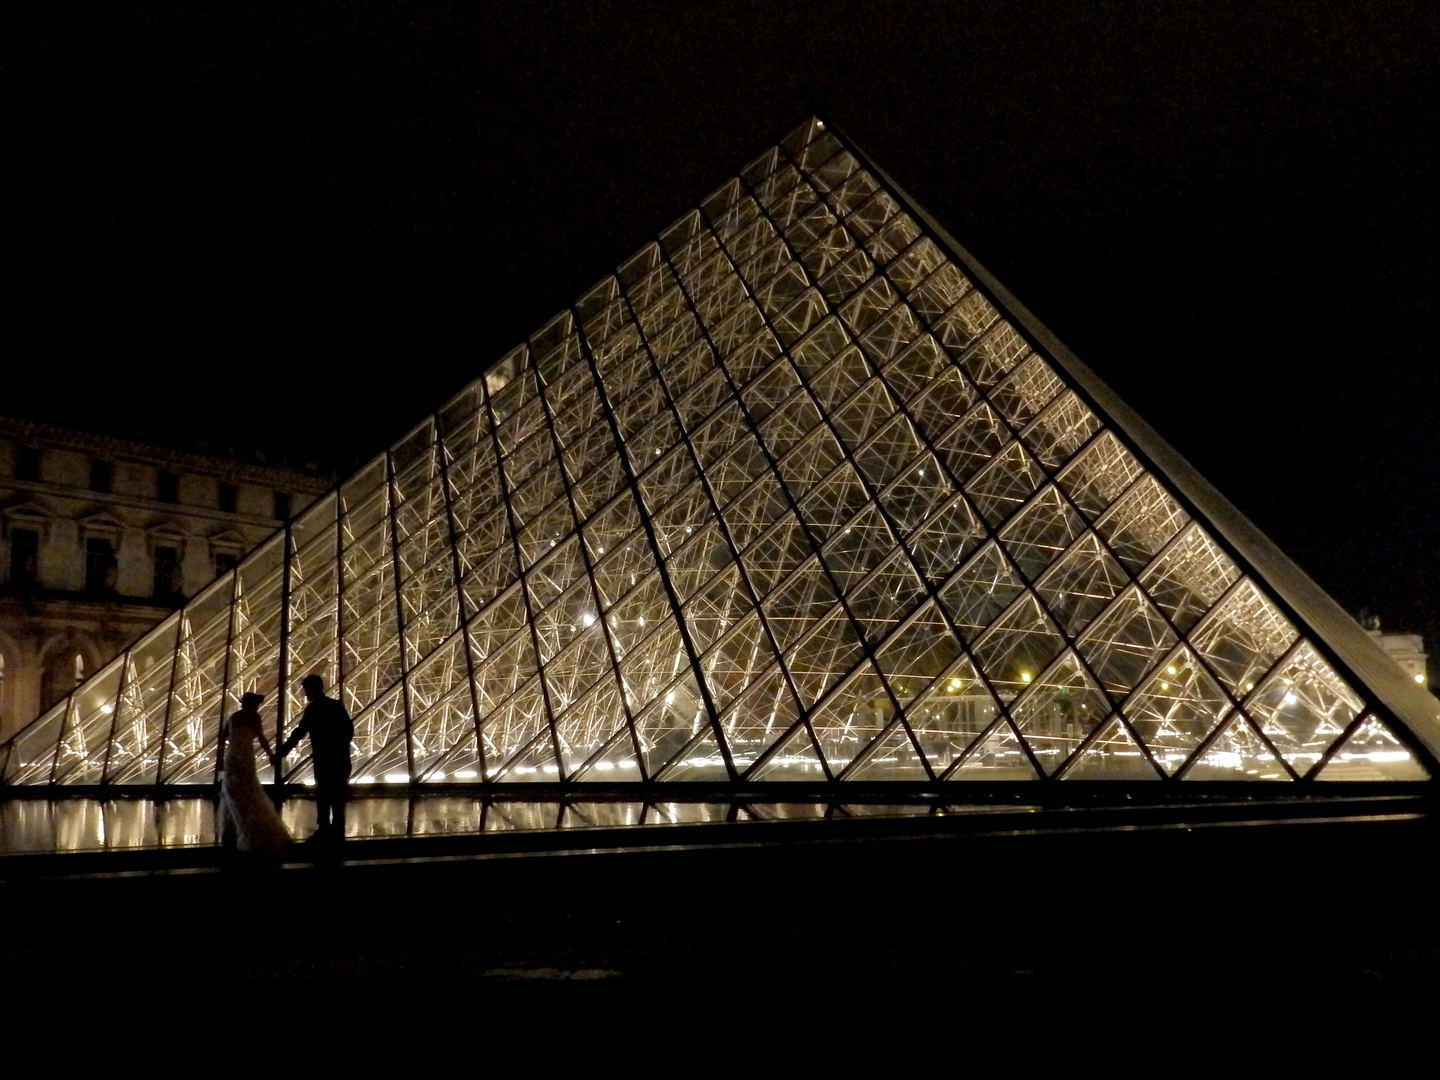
{"x":302,"y":225}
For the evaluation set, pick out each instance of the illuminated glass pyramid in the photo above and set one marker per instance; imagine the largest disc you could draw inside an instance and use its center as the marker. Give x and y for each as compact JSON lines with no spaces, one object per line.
{"x":800,"y":493}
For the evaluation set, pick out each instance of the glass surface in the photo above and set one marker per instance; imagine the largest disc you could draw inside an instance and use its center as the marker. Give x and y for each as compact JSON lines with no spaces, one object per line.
{"x":785,"y":496}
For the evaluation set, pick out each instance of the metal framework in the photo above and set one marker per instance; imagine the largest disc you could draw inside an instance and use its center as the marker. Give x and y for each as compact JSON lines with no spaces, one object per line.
{"x":795,"y":494}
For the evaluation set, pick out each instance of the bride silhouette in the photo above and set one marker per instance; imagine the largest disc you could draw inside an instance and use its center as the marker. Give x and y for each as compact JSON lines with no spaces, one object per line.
{"x":248,"y":819}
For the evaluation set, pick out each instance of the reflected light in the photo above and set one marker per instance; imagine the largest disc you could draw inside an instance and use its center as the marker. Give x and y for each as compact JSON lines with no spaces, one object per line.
{"x":1420,"y":678}
{"x":396,"y":778}
{"x":466,"y":774}
{"x":1024,"y":676}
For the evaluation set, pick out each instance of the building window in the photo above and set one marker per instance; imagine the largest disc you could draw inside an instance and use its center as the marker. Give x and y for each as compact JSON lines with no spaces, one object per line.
{"x":99,"y":565}
{"x":169,"y":487}
{"x":167,"y":573}
{"x":225,"y":561}
{"x":24,"y":558}
{"x":27,"y":463}
{"x":229,"y":495}
{"x":100,"y":476}
{"x":282,"y":506}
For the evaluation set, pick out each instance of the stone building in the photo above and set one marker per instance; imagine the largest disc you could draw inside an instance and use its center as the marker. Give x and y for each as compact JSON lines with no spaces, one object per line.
{"x":1407,"y":650}
{"x":101,"y":537}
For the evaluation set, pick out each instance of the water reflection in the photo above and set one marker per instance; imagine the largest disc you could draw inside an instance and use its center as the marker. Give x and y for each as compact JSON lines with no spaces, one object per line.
{"x":62,"y":825}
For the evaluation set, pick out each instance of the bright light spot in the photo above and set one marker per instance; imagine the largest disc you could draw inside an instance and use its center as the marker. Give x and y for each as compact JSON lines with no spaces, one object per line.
{"x":525,"y":769}
{"x":587,"y":619}
{"x":628,"y":763}
{"x":1170,"y":669}
{"x":602,"y":551}
{"x":1164,"y":686}
{"x":670,"y":698}
{"x":107,"y":709}
{"x":1249,"y":686}
{"x":657,"y":451}
{"x":1289,"y":699}
{"x":1420,"y":678}
{"x":552,"y":768}
{"x":641,"y":620}
{"x":396,"y":778}
{"x":1024,"y":676}
{"x":955,"y":684}
{"x":466,"y":774}
{"x":438,"y":774}
{"x":367,"y":779}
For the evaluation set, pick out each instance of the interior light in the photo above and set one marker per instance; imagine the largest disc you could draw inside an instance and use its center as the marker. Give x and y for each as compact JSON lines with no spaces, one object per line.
{"x":1420,"y":678}
{"x":1024,"y":676}
{"x":107,"y":708}
{"x":604,"y":766}
{"x":587,"y":619}
{"x":1164,"y":686}
{"x":1249,"y":686}
{"x":396,"y":778}
{"x":1171,"y":669}
{"x":466,"y":774}
{"x":436,"y":775}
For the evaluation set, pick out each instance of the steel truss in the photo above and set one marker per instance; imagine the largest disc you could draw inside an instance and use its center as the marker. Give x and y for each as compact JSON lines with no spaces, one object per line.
{"x":791,"y":496}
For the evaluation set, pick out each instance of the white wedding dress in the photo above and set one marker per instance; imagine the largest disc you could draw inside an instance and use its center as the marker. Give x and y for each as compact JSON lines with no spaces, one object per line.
{"x":247,"y":816}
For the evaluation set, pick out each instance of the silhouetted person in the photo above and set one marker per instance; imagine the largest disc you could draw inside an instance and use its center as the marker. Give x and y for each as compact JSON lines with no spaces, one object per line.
{"x":330,"y":729}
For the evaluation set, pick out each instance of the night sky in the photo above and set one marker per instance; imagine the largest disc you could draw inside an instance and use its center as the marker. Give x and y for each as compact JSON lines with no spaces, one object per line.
{"x":301,"y":226}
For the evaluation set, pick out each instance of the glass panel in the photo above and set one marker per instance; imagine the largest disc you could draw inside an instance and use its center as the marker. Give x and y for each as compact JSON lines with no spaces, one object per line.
{"x":1125,"y":641}
{"x":1081,"y":583}
{"x":1242,"y":636}
{"x":1010,"y":478}
{"x":794,"y":758}
{"x":1041,"y":531}
{"x":1099,"y":474}
{"x":1177,"y":708}
{"x":1141,"y":523}
{"x":671,"y":726}
{"x":1018,"y":646}
{"x":1059,"y":710}
{"x":998,"y":757}
{"x":982,"y":588}
{"x":1237,"y":753}
{"x":760,"y":716}
{"x":1372,"y":752}
{"x":949,"y":716}
{"x":1303,"y":705}
{"x":852,"y":717}
{"x":1189,"y":577}
{"x":1111,"y":755}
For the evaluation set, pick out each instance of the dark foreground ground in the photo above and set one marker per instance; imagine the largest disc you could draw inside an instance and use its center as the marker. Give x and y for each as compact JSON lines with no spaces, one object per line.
{"x":1322,"y":908}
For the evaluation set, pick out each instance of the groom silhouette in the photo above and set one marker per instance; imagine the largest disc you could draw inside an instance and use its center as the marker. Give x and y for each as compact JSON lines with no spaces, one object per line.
{"x":330,"y":729}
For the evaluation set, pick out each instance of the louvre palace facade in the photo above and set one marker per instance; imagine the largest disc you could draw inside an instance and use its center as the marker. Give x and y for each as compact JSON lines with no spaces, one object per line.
{"x":798,"y":493}
{"x":102,"y":537}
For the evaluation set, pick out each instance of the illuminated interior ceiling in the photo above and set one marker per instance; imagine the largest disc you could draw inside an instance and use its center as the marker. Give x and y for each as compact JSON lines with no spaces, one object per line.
{"x":799,"y":493}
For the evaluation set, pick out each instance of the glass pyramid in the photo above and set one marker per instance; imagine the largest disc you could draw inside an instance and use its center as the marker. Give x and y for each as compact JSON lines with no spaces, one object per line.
{"x":795,"y":494}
